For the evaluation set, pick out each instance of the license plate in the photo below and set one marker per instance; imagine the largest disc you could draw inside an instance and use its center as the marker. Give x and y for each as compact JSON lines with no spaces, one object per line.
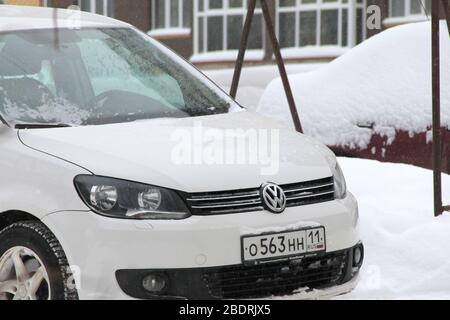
{"x":281,"y":245}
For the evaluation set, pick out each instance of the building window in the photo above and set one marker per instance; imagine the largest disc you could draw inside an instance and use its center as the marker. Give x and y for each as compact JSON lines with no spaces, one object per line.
{"x":409,"y":8}
{"x":219,"y":23}
{"x":104,"y":7}
{"x":171,"y":14}
{"x":302,"y":23}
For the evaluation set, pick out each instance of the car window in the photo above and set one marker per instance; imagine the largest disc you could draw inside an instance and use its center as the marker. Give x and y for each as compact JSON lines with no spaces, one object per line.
{"x":107,"y":71}
{"x":99,"y":76}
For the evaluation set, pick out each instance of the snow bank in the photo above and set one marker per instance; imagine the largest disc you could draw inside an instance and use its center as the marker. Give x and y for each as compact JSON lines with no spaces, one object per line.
{"x":406,"y":247}
{"x":169,"y":32}
{"x":258,"y":76}
{"x":385,"y":81}
{"x":254,"y":80}
{"x":228,"y":55}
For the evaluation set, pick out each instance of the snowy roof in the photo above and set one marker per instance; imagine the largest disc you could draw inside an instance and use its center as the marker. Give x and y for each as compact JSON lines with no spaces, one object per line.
{"x":384,"y":82}
{"x":13,"y":18}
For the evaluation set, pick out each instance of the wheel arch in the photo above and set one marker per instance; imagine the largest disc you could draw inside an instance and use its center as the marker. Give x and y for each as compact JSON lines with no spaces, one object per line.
{"x":7,"y":218}
{"x":26,"y":230}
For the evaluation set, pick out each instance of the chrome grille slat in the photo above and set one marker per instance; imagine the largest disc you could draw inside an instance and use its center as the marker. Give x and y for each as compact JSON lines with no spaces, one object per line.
{"x":230,"y":204}
{"x":248,"y":200}
{"x":211,"y":198}
{"x":309,"y":188}
{"x":236,"y":210}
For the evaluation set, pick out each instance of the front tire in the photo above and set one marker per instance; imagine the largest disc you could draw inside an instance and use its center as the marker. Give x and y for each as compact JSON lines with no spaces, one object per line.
{"x":33,"y":265}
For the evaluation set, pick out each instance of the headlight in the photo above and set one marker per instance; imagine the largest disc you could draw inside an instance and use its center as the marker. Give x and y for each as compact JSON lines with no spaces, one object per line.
{"x":340,"y":187}
{"x":130,"y":200}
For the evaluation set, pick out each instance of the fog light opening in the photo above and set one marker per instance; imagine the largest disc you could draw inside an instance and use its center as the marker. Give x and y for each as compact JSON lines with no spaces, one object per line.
{"x":155,"y":283}
{"x":358,"y":256}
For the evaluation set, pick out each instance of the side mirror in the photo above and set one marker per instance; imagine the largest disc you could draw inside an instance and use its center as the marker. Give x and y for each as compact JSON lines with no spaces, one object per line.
{"x":3,"y":126}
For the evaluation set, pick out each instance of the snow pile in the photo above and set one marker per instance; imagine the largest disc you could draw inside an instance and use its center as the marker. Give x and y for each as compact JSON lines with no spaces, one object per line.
{"x":169,"y":32}
{"x":385,"y":81}
{"x":406,"y":247}
{"x":254,"y":80}
{"x":226,"y":55}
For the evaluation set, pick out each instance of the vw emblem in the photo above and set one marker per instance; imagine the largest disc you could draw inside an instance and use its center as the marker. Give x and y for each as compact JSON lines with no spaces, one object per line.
{"x":273,"y":197}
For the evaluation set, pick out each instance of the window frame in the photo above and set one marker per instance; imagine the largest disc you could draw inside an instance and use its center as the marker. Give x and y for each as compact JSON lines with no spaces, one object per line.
{"x":319,"y":6}
{"x":223,"y":12}
{"x":407,"y":11}
{"x":92,"y":6}
{"x":168,"y":16}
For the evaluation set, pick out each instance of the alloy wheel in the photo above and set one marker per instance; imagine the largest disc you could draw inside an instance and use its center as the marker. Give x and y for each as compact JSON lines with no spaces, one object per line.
{"x":23,"y":276}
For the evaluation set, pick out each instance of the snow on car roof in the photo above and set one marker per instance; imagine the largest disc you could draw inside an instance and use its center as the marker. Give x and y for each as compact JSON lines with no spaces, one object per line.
{"x":384,"y":83}
{"x":15,"y":18}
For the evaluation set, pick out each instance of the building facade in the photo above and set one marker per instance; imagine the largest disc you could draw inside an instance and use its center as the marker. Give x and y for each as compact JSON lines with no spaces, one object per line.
{"x":208,"y":31}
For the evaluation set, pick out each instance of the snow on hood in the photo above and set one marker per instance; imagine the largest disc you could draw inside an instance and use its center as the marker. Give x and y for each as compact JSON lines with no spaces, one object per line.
{"x":385,"y":81}
{"x":143,"y":151}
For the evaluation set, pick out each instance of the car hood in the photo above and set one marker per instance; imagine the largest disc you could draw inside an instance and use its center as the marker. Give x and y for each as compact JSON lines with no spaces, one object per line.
{"x":188,"y":154}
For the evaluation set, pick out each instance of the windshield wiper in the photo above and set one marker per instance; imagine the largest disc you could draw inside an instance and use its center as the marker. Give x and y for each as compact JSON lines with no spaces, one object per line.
{"x":21,"y":126}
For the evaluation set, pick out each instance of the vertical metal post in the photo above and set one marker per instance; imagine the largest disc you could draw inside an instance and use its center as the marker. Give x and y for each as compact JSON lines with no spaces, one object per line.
{"x":277,"y":53}
{"x":446,"y":6}
{"x":243,"y":47}
{"x":437,"y":166}
{"x":281,"y":67}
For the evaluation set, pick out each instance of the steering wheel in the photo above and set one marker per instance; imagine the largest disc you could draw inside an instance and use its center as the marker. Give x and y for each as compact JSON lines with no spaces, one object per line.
{"x":129,"y":105}
{"x":107,"y":95}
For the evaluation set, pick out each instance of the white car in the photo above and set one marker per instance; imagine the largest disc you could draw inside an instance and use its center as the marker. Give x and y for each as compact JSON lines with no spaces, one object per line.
{"x":97,"y":200}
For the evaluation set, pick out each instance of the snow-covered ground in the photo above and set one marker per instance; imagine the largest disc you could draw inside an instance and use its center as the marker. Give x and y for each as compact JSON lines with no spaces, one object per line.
{"x":254,"y":80}
{"x":406,"y":247}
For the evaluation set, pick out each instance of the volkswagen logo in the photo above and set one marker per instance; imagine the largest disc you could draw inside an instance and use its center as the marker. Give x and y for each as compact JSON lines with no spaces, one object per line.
{"x":273,"y":197}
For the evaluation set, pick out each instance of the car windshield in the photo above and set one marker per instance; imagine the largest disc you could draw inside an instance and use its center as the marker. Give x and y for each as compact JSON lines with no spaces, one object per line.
{"x":99,"y":76}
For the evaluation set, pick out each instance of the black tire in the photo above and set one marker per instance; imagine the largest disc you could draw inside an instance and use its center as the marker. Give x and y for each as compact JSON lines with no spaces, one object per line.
{"x":37,"y":237}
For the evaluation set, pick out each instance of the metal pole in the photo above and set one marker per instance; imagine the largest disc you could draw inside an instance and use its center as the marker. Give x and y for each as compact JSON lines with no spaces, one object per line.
{"x":281,"y":67}
{"x":435,"y":38}
{"x":446,"y":7}
{"x":242,"y":48}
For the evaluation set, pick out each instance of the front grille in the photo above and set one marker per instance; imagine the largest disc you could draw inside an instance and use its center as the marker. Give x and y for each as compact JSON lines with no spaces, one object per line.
{"x":278,"y":278}
{"x":223,"y":202}
{"x":300,"y":194}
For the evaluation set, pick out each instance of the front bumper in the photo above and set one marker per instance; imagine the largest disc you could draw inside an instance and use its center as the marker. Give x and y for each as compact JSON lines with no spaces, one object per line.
{"x":301,"y":277}
{"x":97,"y":247}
